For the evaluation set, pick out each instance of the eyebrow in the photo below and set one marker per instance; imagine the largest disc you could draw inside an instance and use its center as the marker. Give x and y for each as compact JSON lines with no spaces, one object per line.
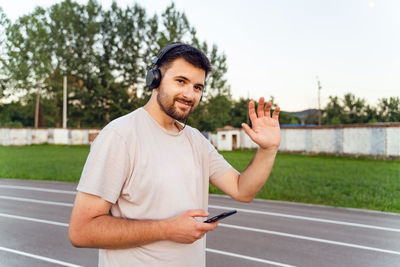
{"x":186,"y":79}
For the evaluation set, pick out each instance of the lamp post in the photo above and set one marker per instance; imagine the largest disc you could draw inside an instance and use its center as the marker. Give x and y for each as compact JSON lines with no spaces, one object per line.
{"x":65,"y":103}
{"x":319,"y":101}
{"x":37,"y":109}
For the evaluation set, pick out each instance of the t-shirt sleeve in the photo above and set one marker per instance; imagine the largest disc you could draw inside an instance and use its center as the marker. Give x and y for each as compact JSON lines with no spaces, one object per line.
{"x":218,"y":165}
{"x":107,"y":166}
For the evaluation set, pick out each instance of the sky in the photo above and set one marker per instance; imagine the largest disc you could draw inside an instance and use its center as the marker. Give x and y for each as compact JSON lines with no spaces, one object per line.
{"x":279,"y":47}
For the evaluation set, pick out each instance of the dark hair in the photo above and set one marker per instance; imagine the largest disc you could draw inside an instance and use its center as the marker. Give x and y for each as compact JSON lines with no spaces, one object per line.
{"x":194,"y":56}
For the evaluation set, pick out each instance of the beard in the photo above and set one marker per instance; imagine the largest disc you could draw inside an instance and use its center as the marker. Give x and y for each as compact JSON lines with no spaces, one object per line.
{"x":167,"y":104}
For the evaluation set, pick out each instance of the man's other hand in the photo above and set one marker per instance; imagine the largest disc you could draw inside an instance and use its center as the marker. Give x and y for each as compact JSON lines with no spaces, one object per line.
{"x":184,"y":228}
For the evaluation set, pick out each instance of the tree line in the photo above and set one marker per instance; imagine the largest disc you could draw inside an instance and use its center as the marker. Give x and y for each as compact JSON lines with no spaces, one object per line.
{"x":351,"y":110}
{"x":105,"y":54}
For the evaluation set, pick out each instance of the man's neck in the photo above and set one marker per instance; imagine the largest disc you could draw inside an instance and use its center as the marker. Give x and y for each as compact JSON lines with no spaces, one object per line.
{"x":161,"y":117}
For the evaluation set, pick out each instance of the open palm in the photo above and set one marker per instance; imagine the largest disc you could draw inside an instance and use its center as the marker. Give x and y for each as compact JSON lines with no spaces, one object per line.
{"x":265,"y":130}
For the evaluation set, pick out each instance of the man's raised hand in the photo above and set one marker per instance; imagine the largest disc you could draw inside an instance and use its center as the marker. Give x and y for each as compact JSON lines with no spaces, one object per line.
{"x":265,"y":130}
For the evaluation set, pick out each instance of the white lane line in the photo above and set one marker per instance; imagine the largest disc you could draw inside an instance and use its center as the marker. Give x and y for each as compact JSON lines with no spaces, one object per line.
{"x":207,"y":249}
{"x":63,"y":263}
{"x":307,"y":218}
{"x":221,"y":207}
{"x":309,"y":238}
{"x":247,"y":257}
{"x":235,"y":227}
{"x":37,"y":189}
{"x":37,"y":201}
{"x":32,"y":219}
{"x":230,"y":208}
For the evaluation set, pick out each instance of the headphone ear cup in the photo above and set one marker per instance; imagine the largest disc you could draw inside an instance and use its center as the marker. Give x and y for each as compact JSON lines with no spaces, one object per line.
{"x":153,"y":78}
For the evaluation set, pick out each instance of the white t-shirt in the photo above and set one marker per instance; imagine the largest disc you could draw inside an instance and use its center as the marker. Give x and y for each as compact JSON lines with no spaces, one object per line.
{"x":150,"y":173}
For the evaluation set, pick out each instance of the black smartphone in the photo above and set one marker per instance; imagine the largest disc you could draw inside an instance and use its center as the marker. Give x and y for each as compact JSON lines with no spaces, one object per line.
{"x":220,"y":216}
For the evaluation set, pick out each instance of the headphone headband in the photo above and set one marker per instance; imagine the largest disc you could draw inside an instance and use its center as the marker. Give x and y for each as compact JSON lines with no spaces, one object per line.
{"x":153,"y":77}
{"x":165,"y":50}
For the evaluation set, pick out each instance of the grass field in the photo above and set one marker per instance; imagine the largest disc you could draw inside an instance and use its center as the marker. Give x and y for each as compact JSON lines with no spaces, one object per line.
{"x":336,"y":181}
{"x":43,"y":162}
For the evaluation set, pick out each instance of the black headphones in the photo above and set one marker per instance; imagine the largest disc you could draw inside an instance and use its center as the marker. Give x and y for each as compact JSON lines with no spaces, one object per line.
{"x":153,"y":77}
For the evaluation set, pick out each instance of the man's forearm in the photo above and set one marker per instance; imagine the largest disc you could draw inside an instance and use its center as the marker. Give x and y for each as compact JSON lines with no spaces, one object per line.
{"x":116,"y":233}
{"x":252,"y":179}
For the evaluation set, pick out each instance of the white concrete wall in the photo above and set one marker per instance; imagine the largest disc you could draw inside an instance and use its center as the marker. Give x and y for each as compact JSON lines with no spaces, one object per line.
{"x":393,"y":141}
{"x":61,"y":137}
{"x":39,"y":136}
{"x":57,"y":136}
{"x":18,"y":137}
{"x":368,"y":140}
{"x":79,"y":137}
{"x":376,"y":141}
{"x":323,"y":141}
{"x":357,"y":141}
{"x":246,"y":141}
{"x":296,"y":139}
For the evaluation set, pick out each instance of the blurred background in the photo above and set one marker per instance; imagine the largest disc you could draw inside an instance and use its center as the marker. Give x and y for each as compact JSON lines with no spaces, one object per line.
{"x":323,"y":63}
{"x":69,"y":67}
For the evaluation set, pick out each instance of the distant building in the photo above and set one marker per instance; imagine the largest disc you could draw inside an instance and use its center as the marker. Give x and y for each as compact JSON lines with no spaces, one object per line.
{"x":230,"y":138}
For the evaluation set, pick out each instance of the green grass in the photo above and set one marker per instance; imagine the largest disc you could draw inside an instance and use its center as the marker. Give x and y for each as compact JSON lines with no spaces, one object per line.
{"x":43,"y":162}
{"x":328,"y":180}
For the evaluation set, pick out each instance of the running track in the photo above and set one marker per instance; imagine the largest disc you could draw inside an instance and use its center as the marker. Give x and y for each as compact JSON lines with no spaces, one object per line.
{"x":34,"y":218}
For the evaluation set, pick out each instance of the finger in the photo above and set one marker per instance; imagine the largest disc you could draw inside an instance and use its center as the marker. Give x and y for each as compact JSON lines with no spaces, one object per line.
{"x":197,"y":213}
{"x":267,"y":110}
{"x":208,"y":226}
{"x":260,"y":108}
{"x":214,"y":224}
{"x":248,"y":130}
{"x":252,"y":112}
{"x":275,"y":115}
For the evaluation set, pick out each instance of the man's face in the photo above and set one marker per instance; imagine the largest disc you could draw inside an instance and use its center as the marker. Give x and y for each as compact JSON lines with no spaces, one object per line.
{"x":180,"y":89}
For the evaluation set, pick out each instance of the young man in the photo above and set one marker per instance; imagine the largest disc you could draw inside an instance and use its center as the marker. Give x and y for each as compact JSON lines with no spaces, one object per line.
{"x":146,"y":178}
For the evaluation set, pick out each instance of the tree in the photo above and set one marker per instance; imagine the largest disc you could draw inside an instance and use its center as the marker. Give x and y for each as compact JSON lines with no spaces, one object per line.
{"x":28,"y":61}
{"x":312,"y":118}
{"x":75,"y":35}
{"x":122,"y":34}
{"x":4,"y":24}
{"x":371,"y":114}
{"x":389,"y":109}
{"x":354,"y":109}
{"x":15,"y":114}
{"x":239,"y":112}
{"x":350,"y":109}
{"x":120,"y":62}
{"x":216,"y":113}
{"x":333,"y":112}
{"x":216,"y":81}
{"x":104,"y":53}
{"x":175,"y":26}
